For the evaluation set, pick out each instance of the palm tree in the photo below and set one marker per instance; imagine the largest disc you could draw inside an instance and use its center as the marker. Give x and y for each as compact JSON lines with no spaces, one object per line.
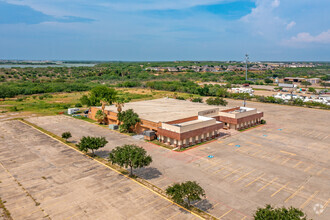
{"x":103,"y":102}
{"x":119,"y":104}
{"x":100,"y":116}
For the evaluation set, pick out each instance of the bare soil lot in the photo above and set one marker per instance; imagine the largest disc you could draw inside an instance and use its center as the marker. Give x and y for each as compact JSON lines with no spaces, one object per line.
{"x":41,"y":178}
{"x":285,"y":162}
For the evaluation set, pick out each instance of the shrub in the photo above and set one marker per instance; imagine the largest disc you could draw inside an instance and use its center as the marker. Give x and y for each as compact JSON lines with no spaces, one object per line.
{"x":216,"y":101}
{"x":78,"y":105}
{"x":180,"y":98}
{"x":66,"y":135}
{"x":263,"y":121}
{"x":200,"y":100}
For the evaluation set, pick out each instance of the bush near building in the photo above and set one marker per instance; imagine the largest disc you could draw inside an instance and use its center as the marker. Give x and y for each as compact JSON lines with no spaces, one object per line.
{"x":128,"y":120}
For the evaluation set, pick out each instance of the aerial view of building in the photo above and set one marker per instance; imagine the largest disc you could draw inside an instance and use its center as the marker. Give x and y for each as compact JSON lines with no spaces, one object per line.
{"x":183,"y":123}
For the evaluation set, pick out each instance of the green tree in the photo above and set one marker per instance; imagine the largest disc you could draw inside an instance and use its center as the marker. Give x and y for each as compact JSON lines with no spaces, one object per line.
{"x":128,"y":120}
{"x":131,"y":156}
{"x":311,"y":89}
{"x":222,"y":92}
{"x":325,"y":84}
{"x":305,"y":83}
{"x":267,"y":80}
{"x":91,"y":143}
{"x":85,"y":100}
{"x":66,"y":135}
{"x":99,"y":93}
{"x":270,"y":213}
{"x":185,"y":193}
{"x":100,"y":116}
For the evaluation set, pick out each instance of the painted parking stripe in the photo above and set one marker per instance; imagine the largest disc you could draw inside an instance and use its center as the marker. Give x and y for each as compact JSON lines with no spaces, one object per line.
{"x":280,"y":189}
{"x":245,"y":175}
{"x":269,"y":183}
{"x":294,"y":194}
{"x":308,"y":200}
{"x":256,"y":179}
{"x":225,"y":214}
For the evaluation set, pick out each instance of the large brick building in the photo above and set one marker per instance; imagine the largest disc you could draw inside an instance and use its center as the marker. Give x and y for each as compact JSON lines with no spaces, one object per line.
{"x":183,"y":123}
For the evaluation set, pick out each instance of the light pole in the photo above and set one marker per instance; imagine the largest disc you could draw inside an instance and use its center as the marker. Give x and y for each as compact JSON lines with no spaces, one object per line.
{"x":246,"y":64}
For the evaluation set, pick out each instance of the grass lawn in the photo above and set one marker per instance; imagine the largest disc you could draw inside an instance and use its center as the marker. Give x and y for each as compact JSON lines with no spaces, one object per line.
{"x":52,"y":104}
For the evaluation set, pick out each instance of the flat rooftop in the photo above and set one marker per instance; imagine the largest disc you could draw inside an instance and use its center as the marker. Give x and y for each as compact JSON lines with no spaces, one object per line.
{"x":165,"y":109}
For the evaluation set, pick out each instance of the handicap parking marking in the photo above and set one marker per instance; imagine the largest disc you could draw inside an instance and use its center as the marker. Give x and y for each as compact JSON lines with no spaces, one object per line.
{"x":210,"y":156}
{"x":265,"y":135}
{"x":237,"y":145}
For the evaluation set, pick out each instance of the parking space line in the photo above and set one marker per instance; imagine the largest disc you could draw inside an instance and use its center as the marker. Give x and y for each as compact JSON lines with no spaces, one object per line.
{"x":244,"y":217}
{"x":225,"y":214}
{"x":215,"y":205}
{"x":153,"y":201}
{"x":256,"y":179}
{"x":297,"y":164}
{"x":213,"y":165}
{"x":294,"y":194}
{"x":285,"y":152}
{"x":280,"y":189}
{"x":245,"y":175}
{"x":309,"y":199}
{"x":269,"y":183}
{"x":275,"y":158}
{"x":218,"y":170}
{"x":174,"y":215}
{"x":285,"y":161}
{"x":164,"y":207}
{"x":256,"y":152}
{"x":318,"y":173}
{"x":232,"y":172}
{"x":326,"y":204}
{"x":308,"y":168}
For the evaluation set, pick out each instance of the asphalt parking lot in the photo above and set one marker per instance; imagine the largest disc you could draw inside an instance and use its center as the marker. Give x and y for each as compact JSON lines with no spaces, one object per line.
{"x":285,"y":162}
{"x":41,"y":178}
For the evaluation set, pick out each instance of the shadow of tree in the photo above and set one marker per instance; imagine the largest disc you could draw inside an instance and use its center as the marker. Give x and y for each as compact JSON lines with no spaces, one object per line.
{"x":203,"y":204}
{"x":102,"y":153}
{"x":147,"y":173}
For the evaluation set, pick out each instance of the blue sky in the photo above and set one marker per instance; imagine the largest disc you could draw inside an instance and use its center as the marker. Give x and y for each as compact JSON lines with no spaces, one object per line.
{"x":138,"y":30}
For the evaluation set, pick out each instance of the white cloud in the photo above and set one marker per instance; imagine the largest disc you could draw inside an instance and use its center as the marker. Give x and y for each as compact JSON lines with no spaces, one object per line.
{"x":290,"y":25}
{"x":263,"y":19}
{"x":306,"y":37}
{"x":128,"y":5}
{"x":275,"y":3}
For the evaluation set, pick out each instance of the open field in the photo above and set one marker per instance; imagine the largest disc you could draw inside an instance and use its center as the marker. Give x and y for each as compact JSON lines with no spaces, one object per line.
{"x":41,"y":178}
{"x":285,"y":162}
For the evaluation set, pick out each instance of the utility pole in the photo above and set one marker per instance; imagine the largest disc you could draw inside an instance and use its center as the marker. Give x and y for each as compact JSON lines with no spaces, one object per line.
{"x":246,"y":64}
{"x":246,"y":71}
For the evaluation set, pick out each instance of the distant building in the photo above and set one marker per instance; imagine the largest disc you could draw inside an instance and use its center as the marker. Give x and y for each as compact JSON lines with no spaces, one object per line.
{"x":293,"y":79}
{"x":314,"y":80}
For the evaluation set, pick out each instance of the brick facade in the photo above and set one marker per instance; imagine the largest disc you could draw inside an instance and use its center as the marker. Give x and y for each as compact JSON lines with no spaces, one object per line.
{"x":189,"y":134}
